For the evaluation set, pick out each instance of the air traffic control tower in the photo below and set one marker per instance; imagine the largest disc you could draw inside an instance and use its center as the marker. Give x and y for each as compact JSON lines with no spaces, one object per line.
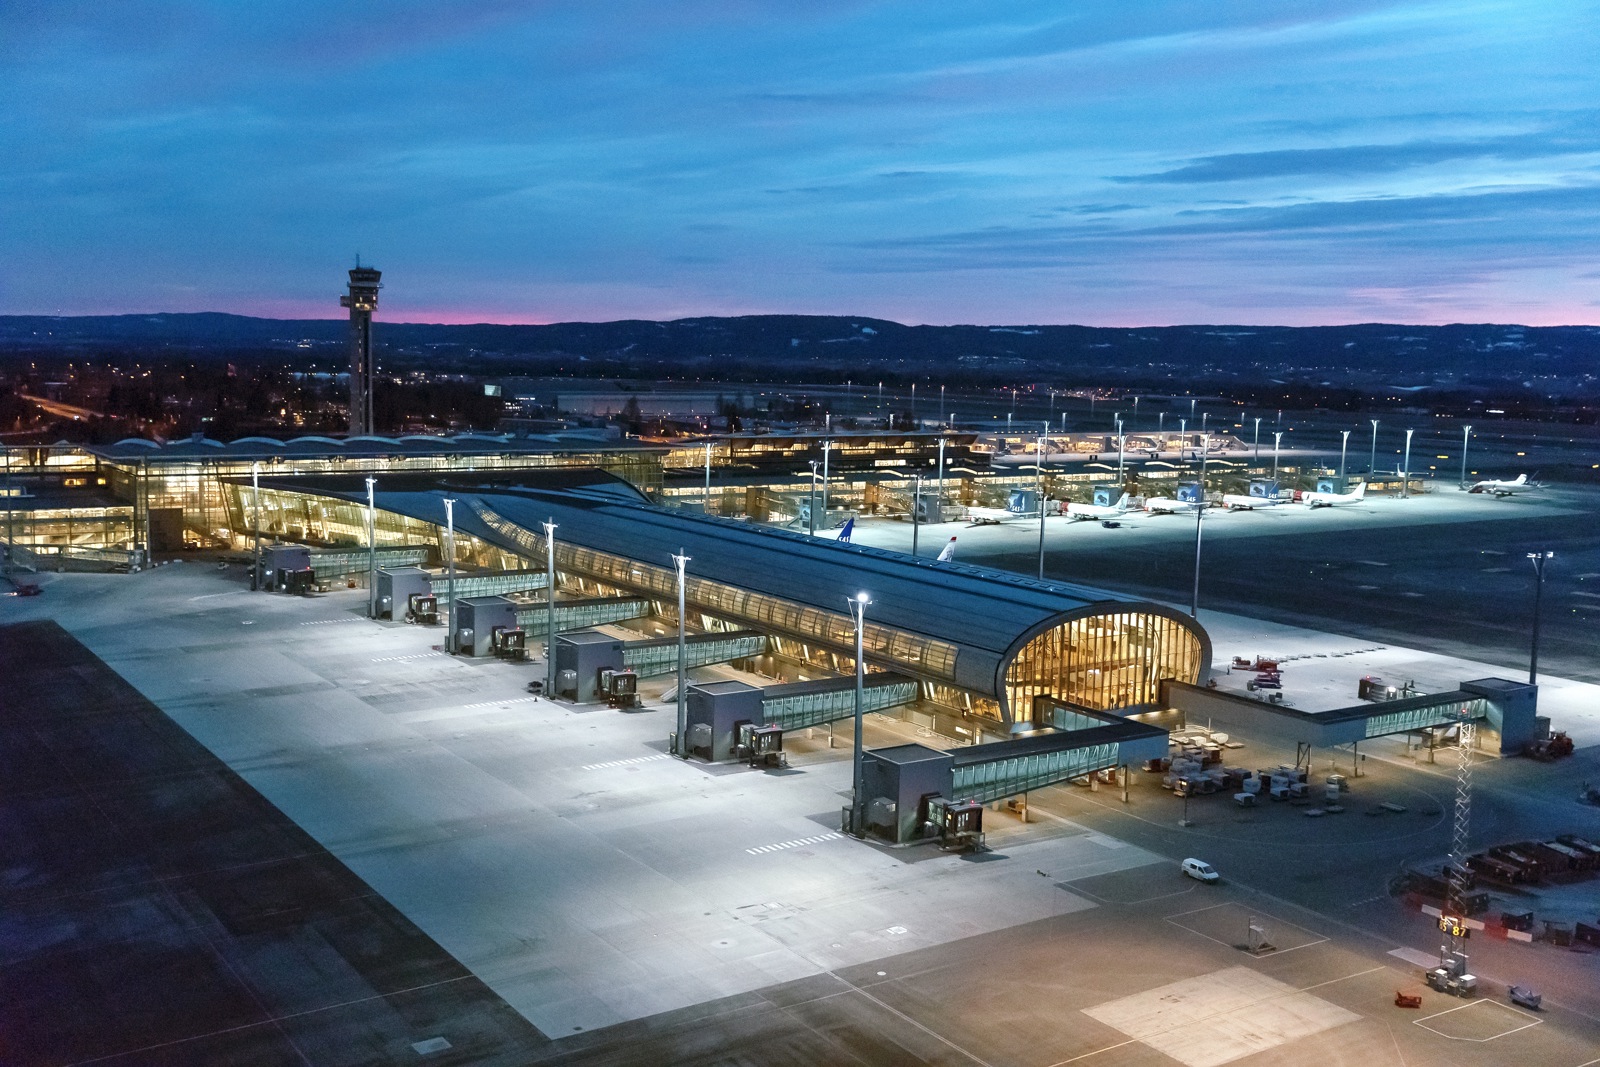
{"x":362,"y":302}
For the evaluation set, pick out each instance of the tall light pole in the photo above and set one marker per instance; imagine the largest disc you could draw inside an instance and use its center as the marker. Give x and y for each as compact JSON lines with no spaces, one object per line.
{"x":1344,"y":445}
{"x":825,"y":450}
{"x":1040,"y":463}
{"x":1466,"y":435}
{"x":1204,"y":416}
{"x":550,"y":606}
{"x":11,"y":529}
{"x":372,"y":550}
{"x":1258,"y":440}
{"x":1539,"y":560}
{"x":450,"y":548}
{"x":680,"y":561}
{"x":941,"y":405}
{"x":914,"y":405}
{"x":1135,"y":411}
{"x":916,"y":509}
{"x":255,"y":498}
{"x":941,"y":479}
{"x":858,"y":612}
{"x":1192,"y":401}
{"x":1199,"y":512}
{"x":708,"y":477}
{"x":1372,"y":463}
{"x":811,"y":510}
{"x":1121,"y":441}
{"x":1405,"y":479}
{"x":1277,"y":442}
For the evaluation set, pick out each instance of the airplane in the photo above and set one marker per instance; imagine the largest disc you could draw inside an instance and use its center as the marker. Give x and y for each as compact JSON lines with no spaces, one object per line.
{"x":1098,"y":511}
{"x":1240,"y":502}
{"x":994,"y":516}
{"x":948,"y":552}
{"x":1165,"y":505}
{"x":1329,"y":500}
{"x":1501,"y":488}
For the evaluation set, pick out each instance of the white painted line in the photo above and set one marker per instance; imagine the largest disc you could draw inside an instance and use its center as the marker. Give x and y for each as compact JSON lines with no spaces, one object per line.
{"x":620,"y":762}
{"x":1532,"y":1021}
{"x":1421,"y":959}
{"x":499,"y":703}
{"x":796,"y":843}
{"x":409,"y":659}
{"x":330,"y":622}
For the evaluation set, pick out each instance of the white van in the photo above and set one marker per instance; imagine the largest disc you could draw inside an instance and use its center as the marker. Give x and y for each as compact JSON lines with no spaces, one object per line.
{"x":1200,"y":870}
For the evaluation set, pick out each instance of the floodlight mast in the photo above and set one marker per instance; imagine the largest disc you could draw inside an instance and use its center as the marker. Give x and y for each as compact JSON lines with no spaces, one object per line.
{"x":1041,"y":506}
{"x":680,"y":561}
{"x":450,"y":547}
{"x":550,"y":606}
{"x":1199,"y":512}
{"x":1539,"y":559}
{"x":372,"y":550}
{"x":255,"y":502}
{"x":858,"y":613}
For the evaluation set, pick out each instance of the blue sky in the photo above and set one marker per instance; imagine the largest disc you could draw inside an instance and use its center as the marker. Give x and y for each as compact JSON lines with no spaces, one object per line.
{"x":1128,"y":163}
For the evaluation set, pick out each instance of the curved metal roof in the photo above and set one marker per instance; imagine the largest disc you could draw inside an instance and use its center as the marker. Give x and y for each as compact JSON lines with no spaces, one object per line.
{"x":985,"y":613}
{"x":316,"y":445}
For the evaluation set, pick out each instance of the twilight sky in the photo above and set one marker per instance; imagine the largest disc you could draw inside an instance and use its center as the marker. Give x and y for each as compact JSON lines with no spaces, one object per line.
{"x":1109,"y":162}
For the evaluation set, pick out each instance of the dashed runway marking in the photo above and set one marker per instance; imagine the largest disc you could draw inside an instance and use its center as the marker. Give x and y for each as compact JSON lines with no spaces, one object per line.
{"x":796,"y":843}
{"x":498,"y":703}
{"x":408,"y":659}
{"x":330,"y":622}
{"x":622,"y":762}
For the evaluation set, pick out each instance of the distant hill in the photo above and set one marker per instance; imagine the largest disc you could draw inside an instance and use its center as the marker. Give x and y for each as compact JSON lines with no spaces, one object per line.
{"x":1545,"y":359}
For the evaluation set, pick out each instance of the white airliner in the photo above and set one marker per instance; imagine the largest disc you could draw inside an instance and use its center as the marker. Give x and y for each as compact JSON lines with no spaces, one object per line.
{"x":1240,"y":502}
{"x":1500,"y":488}
{"x":947,"y":553}
{"x":1166,"y":505}
{"x":1331,"y":500}
{"x":1098,"y":511}
{"x":995,"y":516}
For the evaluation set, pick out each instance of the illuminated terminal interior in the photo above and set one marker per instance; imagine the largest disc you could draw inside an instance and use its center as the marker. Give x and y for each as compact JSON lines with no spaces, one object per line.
{"x":126,"y":502}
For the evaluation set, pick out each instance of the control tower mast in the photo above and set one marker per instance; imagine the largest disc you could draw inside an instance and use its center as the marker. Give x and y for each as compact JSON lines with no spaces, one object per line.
{"x":362,"y":302}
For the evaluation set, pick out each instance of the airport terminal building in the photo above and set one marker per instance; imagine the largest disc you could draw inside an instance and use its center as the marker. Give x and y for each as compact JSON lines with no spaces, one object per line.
{"x":980,"y":643}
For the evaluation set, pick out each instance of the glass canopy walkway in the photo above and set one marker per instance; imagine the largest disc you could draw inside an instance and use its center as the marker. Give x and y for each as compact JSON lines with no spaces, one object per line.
{"x":499,"y":583}
{"x":801,"y":704}
{"x":338,"y":562}
{"x":533,"y":616}
{"x":659,"y":655}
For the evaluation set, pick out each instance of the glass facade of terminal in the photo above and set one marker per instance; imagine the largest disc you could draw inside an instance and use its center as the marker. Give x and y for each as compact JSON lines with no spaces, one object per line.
{"x":1105,"y":661}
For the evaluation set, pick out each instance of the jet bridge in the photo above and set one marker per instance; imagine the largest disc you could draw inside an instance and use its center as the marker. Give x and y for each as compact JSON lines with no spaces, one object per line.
{"x":533,"y":615}
{"x":655,"y":656}
{"x":489,"y":583}
{"x":1507,"y":707}
{"x":800,"y":704}
{"x":910,"y":789}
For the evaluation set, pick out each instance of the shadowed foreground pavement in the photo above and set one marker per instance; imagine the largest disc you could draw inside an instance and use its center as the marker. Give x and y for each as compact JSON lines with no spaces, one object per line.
{"x":157,"y":910}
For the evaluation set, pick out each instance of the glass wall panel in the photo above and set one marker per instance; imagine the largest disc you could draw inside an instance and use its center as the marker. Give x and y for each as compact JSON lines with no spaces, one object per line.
{"x":1116,"y":660}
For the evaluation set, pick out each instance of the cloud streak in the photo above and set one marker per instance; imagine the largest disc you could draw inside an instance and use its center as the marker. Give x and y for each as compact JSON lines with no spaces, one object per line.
{"x":526,"y":160}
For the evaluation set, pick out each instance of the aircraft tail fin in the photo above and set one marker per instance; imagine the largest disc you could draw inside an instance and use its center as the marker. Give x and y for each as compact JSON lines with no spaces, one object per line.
{"x":947,"y":553}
